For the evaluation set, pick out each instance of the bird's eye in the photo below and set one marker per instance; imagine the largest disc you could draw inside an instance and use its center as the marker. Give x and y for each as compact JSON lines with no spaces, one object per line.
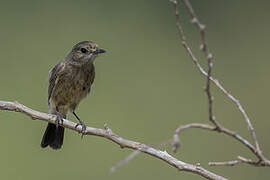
{"x":83,"y":50}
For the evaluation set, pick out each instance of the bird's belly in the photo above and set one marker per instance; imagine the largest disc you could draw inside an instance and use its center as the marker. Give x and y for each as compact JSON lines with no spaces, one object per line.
{"x":68,"y":94}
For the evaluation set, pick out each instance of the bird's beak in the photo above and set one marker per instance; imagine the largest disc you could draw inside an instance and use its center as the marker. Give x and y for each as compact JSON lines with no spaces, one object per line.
{"x":99,"y":51}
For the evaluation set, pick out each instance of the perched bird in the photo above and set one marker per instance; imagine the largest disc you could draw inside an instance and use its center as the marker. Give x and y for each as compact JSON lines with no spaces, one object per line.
{"x":69,"y":82}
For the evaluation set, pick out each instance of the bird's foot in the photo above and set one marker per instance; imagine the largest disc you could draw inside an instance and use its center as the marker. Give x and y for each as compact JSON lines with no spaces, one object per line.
{"x":59,"y":119}
{"x":83,"y":131}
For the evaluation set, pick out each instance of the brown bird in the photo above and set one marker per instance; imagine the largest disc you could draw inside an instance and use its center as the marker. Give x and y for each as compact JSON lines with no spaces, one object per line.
{"x":69,"y":82}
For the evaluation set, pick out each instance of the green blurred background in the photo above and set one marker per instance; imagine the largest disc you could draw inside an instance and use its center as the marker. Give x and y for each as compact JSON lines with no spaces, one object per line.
{"x":146,"y":85}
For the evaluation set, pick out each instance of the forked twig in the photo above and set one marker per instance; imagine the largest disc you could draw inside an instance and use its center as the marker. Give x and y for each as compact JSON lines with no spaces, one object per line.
{"x":262,"y":160}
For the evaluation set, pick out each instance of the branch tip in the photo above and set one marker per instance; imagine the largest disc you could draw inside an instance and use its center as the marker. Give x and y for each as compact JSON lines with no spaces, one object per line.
{"x":173,"y":1}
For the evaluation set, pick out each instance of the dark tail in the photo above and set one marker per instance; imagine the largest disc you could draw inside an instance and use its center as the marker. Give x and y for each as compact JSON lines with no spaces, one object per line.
{"x":53,"y":136}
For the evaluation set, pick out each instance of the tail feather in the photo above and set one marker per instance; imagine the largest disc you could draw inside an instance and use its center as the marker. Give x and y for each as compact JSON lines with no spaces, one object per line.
{"x":53,"y":136}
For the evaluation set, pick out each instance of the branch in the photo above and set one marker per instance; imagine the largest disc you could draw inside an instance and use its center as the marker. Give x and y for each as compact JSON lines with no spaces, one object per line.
{"x":209,"y":58}
{"x":239,"y":160}
{"x":125,"y":161}
{"x":176,"y":141}
{"x":108,"y":134}
{"x":262,"y":160}
{"x":176,"y":144}
{"x":135,"y":153}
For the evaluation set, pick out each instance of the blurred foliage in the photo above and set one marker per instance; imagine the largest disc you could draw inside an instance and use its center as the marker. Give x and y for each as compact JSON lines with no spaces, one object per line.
{"x":145,"y":84}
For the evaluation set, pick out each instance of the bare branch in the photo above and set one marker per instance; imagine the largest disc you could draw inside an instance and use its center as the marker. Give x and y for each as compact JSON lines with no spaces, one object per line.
{"x":225,"y":163}
{"x":135,"y":153}
{"x":108,"y":134}
{"x":209,"y":58}
{"x":176,"y":141}
{"x":125,"y":161}
{"x":256,"y":150}
{"x":176,"y":144}
{"x":238,"y":161}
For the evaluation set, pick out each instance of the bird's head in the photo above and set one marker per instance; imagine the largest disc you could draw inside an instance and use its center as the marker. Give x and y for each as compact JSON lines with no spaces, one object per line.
{"x":85,"y":52}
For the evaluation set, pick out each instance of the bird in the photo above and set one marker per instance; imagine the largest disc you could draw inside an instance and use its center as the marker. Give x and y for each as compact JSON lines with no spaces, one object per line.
{"x":70,"y":82}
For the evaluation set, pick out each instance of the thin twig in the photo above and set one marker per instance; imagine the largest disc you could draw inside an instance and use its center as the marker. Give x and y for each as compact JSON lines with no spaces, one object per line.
{"x":135,"y":153}
{"x":209,"y":58}
{"x":238,"y":161}
{"x":256,"y":150}
{"x":176,"y":143}
{"x":108,"y":134}
{"x":125,"y":161}
{"x":225,"y":163}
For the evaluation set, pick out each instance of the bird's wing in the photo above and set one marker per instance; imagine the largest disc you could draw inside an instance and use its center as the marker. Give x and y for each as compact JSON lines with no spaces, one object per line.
{"x":92,"y":74}
{"x":53,"y":78}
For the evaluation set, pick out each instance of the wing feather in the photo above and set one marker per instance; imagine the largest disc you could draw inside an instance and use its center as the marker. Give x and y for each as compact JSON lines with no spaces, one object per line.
{"x":53,"y":78}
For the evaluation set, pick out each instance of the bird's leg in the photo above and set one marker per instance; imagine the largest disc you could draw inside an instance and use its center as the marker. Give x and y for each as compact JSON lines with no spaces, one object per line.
{"x":59,"y":118}
{"x":80,"y":123}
